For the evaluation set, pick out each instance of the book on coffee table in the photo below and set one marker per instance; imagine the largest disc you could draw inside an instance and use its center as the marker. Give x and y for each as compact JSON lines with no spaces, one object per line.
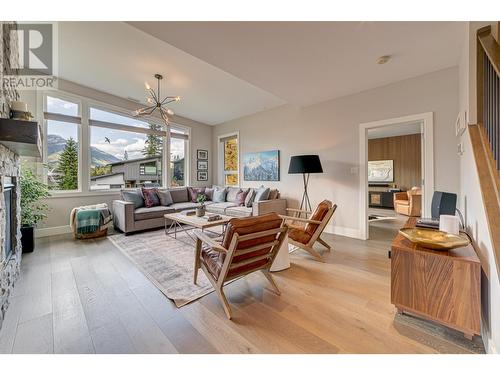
{"x":212,"y":217}
{"x":189,"y":212}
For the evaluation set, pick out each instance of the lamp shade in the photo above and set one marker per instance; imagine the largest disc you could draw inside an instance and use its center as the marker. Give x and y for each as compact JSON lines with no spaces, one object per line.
{"x":305,"y":164}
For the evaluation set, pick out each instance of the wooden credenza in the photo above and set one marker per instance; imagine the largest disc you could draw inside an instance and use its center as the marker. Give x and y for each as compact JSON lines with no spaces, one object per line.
{"x":442,"y":286}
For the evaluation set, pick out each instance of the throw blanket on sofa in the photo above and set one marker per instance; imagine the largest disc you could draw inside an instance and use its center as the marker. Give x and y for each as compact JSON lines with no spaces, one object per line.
{"x":89,"y":219}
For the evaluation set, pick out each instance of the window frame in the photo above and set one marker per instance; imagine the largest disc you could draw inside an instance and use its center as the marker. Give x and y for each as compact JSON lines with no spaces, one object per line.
{"x":45,"y":126}
{"x":84,"y":155}
{"x":220,"y":160}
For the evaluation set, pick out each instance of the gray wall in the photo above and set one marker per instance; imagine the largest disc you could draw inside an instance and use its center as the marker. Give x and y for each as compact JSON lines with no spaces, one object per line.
{"x":331,"y":129}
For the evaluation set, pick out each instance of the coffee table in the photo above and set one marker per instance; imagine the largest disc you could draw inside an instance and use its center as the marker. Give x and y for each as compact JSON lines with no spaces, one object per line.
{"x":191,"y":222}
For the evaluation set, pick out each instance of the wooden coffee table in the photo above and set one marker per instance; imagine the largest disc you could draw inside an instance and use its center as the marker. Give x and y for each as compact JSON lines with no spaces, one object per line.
{"x":184,"y":223}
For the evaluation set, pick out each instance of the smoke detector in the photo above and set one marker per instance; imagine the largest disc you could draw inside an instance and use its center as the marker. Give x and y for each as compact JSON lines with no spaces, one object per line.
{"x":383,"y":59}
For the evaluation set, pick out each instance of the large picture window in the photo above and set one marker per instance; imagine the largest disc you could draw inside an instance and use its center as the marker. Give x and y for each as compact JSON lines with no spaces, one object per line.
{"x":116,"y":151}
{"x":62,"y":143}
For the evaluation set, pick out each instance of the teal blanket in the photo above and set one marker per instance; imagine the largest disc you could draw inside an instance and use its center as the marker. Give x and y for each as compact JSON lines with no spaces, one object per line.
{"x":88,"y":221}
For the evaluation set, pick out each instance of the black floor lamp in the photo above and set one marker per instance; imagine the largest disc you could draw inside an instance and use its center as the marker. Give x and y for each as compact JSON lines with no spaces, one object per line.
{"x":305,"y":164}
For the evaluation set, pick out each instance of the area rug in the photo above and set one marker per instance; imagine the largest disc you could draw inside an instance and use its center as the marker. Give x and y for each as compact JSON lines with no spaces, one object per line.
{"x":167,"y":262}
{"x":376,"y":217}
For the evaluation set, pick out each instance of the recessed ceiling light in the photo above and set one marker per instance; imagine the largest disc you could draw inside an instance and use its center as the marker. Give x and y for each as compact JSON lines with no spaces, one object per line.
{"x":383,"y":59}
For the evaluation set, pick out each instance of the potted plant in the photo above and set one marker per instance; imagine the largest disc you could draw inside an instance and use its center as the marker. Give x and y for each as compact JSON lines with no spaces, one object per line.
{"x":200,"y":211}
{"x":33,"y":210}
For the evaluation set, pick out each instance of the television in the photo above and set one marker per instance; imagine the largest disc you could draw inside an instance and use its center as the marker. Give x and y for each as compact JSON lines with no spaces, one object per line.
{"x":380,"y":171}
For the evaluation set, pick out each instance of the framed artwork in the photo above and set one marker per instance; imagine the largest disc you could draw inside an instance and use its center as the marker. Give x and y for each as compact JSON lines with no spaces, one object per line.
{"x":202,"y":165}
{"x":202,"y":154}
{"x":202,"y":176}
{"x":261,"y":166}
{"x":381,"y":171}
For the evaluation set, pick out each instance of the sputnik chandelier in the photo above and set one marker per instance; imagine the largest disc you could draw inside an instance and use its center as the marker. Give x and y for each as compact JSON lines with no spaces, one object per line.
{"x":157,"y":103}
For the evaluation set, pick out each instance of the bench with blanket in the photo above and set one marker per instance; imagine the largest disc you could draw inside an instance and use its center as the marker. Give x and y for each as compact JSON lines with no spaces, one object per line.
{"x":90,"y":221}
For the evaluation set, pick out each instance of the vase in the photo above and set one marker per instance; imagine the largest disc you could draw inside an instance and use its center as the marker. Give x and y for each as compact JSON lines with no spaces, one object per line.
{"x":200,"y":211}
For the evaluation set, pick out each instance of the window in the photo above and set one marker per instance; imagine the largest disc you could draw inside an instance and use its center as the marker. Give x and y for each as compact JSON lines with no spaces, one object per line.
{"x":114,"y":148}
{"x":230,"y":167}
{"x":63,"y":143}
{"x":124,"y":152}
{"x":148,"y":168}
{"x":178,"y":147}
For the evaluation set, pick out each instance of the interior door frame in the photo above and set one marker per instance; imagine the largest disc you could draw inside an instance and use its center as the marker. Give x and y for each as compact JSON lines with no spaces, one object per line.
{"x":427,"y":121}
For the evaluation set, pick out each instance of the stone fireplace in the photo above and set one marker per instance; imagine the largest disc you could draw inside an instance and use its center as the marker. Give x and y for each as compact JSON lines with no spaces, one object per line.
{"x":10,"y":248}
{"x":10,"y":220}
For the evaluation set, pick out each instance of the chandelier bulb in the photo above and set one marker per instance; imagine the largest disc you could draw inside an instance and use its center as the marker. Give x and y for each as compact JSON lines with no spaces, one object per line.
{"x":147,"y":86}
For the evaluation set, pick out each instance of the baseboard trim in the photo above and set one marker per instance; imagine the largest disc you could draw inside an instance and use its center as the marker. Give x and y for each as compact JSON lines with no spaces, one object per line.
{"x":343,"y":231}
{"x":52,"y":231}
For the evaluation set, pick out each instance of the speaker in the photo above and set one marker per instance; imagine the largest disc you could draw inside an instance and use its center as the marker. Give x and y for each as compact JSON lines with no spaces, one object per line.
{"x":443,"y":204}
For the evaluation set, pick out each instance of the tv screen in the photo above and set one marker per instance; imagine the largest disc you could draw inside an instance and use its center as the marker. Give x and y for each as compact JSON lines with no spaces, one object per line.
{"x":380,"y":171}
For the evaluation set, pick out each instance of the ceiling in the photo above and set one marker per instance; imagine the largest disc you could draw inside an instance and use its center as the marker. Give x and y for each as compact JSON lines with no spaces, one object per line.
{"x":227,"y":70}
{"x":309,"y":62}
{"x":117,"y":58}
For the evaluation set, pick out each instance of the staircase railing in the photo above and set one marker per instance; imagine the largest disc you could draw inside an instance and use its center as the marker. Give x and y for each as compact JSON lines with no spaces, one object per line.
{"x":485,"y":136}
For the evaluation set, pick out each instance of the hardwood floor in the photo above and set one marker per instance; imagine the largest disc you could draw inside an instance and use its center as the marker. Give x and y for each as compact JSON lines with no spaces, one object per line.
{"x":87,"y":297}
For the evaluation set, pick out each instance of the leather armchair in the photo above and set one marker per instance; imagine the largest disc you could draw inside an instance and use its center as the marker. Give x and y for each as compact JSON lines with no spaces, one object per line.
{"x":409,"y":202}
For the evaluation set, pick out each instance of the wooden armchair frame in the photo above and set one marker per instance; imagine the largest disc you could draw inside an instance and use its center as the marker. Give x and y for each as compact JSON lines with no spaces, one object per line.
{"x":317,"y":233}
{"x":228,"y":264}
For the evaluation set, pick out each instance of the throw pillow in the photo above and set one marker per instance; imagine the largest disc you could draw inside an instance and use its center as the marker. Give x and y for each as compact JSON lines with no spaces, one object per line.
{"x":241,"y":196}
{"x":165,"y":197}
{"x":193,"y":193}
{"x":209,"y":192}
{"x":219,"y":195}
{"x":150,"y":197}
{"x":274,"y":194}
{"x":133,"y":196}
{"x":262,"y":194}
{"x":249,"y":198}
{"x":232,"y":192}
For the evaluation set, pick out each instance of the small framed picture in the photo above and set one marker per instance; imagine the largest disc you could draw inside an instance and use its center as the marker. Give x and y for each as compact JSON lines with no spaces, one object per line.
{"x":202,"y":154}
{"x":202,"y":165}
{"x":202,"y":176}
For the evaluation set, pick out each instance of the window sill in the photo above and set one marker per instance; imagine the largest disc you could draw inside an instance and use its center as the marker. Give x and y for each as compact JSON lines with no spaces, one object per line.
{"x":73,"y":194}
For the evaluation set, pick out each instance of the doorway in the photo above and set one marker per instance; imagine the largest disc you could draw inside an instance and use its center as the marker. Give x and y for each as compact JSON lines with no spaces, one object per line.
{"x":396,"y":157}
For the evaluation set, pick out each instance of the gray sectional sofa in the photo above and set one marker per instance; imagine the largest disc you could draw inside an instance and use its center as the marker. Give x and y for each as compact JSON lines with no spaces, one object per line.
{"x":130,"y":215}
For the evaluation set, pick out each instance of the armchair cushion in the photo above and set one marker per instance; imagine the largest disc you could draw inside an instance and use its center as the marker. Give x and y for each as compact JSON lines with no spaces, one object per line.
{"x":249,"y":225}
{"x":318,"y":214}
{"x":297,"y":233}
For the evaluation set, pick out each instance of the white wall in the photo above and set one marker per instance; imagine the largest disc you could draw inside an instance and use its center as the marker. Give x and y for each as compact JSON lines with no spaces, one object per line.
{"x":60,"y":207}
{"x":470,"y":199}
{"x":330,"y":129}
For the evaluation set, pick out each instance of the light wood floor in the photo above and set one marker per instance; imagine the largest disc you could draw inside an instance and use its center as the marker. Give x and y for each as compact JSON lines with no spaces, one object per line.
{"x":86,"y":297}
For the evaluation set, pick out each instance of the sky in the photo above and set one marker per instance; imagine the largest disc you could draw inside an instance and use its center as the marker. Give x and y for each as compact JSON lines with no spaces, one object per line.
{"x":120,"y":140}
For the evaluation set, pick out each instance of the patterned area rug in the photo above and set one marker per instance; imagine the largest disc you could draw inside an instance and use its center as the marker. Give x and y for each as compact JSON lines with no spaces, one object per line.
{"x":167,"y":262}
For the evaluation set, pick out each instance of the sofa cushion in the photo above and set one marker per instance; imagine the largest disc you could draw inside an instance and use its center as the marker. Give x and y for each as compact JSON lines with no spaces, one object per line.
{"x":240,"y":211}
{"x":262,"y":194}
{"x":232,"y":193}
{"x":145,"y":213}
{"x":165,"y":197}
{"x":134,"y":196}
{"x":249,"y":198}
{"x":184,"y":206}
{"x":179,"y":195}
{"x":241,"y":196}
{"x":194,"y":192}
{"x":209,"y":192}
{"x":220,"y":207}
{"x":219,"y":194}
{"x":150,"y":197}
